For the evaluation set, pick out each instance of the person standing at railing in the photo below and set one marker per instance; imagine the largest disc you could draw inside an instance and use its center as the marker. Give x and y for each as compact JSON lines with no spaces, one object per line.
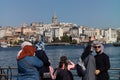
{"x":70,"y":64}
{"x":102,"y":63}
{"x":45,"y":71}
{"x":89,"y":62}
{"x":28,"y":63}
{"x":63,"y":71}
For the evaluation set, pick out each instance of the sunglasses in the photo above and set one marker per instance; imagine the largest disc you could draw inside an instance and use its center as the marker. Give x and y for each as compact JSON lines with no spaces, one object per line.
{"x":97,"y":47}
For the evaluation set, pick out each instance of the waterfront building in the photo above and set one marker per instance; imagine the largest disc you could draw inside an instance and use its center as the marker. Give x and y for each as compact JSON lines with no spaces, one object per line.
{"x":74,"y":31}
{"x":9,"y":31}
{"x":66,"y":26}
{"x":118,"y":33}
{"x":89,"y":32}
{"x":66,"y":29}
{"x":98,"y":36}
{"x":40,"y":30}
{"x":9,"y":34}
{"x":80,"y":31}
{"x":48,"y":35}
{"x":49,"y":31}
{"x":60,"y":32}
{"x":57,"y":32}
{"x":17,"y":31}
{"x":27,"y":30}
{"x":2,"y":32}
{"x":82,"y":36}
{"x":111,"y":35}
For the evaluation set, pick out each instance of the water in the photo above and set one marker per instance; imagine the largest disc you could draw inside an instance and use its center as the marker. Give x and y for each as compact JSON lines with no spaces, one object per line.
{"x":8,"y":55}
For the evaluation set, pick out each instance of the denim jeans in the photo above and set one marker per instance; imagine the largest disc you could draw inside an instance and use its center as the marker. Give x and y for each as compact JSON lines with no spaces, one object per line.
{"x":27,"y":68}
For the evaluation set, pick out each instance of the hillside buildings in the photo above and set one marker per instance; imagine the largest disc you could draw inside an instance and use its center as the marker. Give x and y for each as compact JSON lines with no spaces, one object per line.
{"x":48,"y":32}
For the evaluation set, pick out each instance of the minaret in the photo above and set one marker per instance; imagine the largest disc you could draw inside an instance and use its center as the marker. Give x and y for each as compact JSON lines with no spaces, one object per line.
{"x":54,"y":20}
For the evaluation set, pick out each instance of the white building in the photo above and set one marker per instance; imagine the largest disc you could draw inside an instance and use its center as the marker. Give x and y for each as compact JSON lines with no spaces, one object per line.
{"x":90,"y":32}
{"x":9,"y":31}
{"x":111,"y":35}
{"x":80,"y":31}
{"x":2,"y":33}
{"x":57,"y":32}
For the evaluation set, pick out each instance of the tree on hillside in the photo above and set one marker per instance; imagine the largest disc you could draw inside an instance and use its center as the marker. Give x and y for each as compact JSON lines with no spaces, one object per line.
{"x":65,"y":38}
{"x":56,"y":39}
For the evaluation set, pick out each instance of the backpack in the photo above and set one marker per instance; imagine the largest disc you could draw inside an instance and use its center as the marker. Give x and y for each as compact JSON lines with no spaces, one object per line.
{"x":80,"y":68}
{"x":45,"y":73}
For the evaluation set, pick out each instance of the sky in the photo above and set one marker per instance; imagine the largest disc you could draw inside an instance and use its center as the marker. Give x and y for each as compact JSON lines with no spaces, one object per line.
{"x":91,"y":13}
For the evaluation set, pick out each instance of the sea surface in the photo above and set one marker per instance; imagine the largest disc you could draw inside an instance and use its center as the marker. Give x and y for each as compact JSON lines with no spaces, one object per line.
{"x":73,"y":52}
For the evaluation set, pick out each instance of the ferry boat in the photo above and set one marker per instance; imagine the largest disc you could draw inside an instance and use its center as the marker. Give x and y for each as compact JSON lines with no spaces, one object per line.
{"x":117,"y":44}
{"x":4,"y":45}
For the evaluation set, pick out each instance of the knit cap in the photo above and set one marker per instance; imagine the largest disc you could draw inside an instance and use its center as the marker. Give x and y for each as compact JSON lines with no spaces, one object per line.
{"x":26,"y":43}
{"x":27,"y":50}
{"x":40,"y":45}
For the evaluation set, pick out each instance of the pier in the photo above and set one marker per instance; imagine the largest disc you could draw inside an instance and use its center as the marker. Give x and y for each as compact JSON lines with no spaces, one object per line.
{"x":11,"y":73}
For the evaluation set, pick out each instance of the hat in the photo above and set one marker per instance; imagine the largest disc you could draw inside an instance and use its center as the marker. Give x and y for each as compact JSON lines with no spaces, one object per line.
{"x":26,"y":43}
{"x":27,"y":50}
{"x":40,"y":45}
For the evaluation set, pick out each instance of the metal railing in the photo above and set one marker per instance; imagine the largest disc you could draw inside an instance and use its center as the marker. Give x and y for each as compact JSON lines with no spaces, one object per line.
{"x":11,"y":73}
{"x":114,"y":73}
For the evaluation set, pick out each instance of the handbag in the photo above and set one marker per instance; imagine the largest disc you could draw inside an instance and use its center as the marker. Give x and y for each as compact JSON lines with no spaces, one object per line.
{"x":80,"y":71}
{"x":80,"y":68}
{"x":46,"y":75}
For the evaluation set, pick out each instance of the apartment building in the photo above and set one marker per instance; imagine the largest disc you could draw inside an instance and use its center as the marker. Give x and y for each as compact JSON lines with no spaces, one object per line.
{"x":2,"y":32}
{"x":111,"y":35}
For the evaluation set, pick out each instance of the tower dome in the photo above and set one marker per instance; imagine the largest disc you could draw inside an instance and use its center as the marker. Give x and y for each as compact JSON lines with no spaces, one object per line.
{"x":54,"y":19}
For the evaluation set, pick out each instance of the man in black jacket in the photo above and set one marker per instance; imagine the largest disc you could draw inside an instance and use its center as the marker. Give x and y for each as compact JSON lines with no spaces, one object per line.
{"x":102,"y":63}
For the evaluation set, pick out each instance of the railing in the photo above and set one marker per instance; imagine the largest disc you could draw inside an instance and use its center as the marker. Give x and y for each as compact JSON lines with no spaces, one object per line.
{"x":114,"y":73}
{"x":11,"y":73}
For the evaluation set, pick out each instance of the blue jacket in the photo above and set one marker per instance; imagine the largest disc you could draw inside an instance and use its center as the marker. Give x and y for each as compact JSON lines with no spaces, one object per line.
{"x":27,"y":68}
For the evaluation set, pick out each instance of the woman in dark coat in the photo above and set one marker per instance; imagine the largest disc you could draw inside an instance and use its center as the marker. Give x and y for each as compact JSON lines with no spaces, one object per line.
{"x":40,"y":53}
{"x":89,"y":63}
{"x":63,"y":73}
{"x":102,"y":63}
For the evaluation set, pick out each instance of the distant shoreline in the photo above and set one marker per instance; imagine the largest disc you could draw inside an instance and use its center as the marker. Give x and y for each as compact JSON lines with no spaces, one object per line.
{"x":68,"y":44}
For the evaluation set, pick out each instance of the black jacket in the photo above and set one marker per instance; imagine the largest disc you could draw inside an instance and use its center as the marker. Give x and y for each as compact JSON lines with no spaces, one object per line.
{"x":64,"y":75}
{"x":42,"y":55}
{"x":103,"y":64}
